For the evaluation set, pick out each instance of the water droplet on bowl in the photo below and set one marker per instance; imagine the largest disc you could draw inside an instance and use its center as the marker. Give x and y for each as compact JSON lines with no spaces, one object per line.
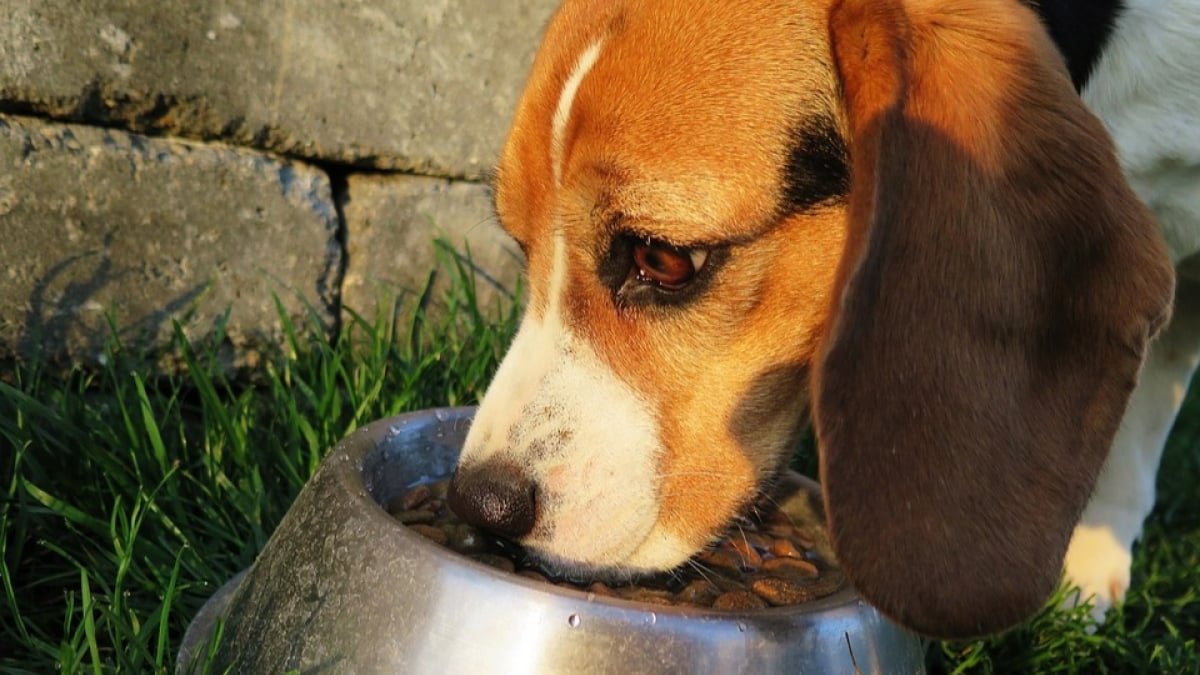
{"x":573,"y":620}
{"x":741,"y":627}
{"x":652,"y":619}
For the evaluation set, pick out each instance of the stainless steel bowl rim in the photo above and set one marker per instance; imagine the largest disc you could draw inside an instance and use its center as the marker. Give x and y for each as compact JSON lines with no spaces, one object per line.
{"x":379,"y":428}
{"x":342,"y":582}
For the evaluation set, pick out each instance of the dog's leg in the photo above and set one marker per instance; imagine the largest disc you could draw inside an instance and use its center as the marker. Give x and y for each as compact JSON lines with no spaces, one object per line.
{"x":1100,"y":552}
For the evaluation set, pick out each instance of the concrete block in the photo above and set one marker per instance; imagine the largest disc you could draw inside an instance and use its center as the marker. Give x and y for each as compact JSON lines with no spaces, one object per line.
{"x":391,"y":226}
{"x":99,"y":222}
{"x":424,"y":86}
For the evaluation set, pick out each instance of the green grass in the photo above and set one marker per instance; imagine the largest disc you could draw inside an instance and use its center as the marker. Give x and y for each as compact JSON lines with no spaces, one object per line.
{"x":127,"y":498}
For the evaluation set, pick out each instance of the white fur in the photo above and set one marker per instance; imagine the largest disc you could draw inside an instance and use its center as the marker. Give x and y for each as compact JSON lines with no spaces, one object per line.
{"x":566,"y":99}
{"x":1146,"y":89}
{"x":1101,"y":549}
{"x":552,"y":404}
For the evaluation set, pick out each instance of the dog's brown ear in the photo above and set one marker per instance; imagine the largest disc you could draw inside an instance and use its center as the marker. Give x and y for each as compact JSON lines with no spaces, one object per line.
{"x":998,"y":290}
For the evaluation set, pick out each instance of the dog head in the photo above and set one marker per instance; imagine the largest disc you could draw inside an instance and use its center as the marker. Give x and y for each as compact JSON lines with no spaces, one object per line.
{"x":897,"y":216}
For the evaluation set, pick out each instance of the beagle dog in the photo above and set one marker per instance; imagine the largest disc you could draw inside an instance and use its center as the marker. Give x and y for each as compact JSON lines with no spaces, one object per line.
{"x":895,"y":218}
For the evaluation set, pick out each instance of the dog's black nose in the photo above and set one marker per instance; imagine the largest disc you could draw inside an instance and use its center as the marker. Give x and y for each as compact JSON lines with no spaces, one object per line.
{"x":495,"y":496}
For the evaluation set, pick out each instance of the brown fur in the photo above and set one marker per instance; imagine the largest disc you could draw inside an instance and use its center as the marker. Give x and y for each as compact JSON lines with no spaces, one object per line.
{"x":691,"y":158}
{"x":972,"y":320}
{"x":986,"y":340}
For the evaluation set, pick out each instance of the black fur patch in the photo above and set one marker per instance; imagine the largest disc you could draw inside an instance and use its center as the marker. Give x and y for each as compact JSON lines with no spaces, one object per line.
{"x":1080,"y":28}
{"x":817,"y":170}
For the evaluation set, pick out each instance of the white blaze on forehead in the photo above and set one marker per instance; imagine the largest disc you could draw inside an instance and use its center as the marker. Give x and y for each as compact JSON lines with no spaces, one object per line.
{"x":562,"y":113}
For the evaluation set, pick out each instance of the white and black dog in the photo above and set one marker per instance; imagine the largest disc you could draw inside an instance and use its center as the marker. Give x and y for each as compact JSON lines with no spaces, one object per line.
{"x":897,"y":218}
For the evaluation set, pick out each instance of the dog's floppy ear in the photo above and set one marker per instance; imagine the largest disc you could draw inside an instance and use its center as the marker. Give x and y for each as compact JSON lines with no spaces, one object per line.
{"x":998,"y":290}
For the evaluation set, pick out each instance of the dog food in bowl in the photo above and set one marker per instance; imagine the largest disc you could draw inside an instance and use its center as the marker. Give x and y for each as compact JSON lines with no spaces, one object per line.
{"x":768,"y":562}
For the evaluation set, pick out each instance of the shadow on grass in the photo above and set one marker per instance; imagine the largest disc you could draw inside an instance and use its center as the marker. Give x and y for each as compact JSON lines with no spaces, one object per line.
{"x":127,"y":496}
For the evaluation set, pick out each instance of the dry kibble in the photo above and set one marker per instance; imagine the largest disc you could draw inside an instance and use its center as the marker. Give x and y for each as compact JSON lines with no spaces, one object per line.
{"x":414,"y":517}
{"x":722,"y":558}
{"x":698,"y":592}
{"x":769,"y":563}
{"x":434,"y":534}
{"x":600,"y":588}
{"x":750,"y":559}
{"x":798,"y":535}
{"x":414,"y":498}
{"x":791,"y":568}
{"x":780,"y":592}
{"x":438,"y":489}
{"x":741,"y":600}
{"x":783,"y":548}
{"x":651,"y":596}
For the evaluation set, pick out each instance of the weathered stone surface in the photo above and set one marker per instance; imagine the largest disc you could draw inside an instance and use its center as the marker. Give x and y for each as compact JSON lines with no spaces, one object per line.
{"x":426,"y":86}
{"x":391,"y":226}
{"x":98,"y":221}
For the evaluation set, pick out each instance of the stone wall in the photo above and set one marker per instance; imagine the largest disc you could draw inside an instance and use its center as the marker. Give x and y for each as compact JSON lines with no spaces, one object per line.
{"x":193,"y":160}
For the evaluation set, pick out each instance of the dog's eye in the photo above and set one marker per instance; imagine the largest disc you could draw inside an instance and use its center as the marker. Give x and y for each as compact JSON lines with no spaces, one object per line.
{"x":644,"y":273}
{"x":667,"y":266}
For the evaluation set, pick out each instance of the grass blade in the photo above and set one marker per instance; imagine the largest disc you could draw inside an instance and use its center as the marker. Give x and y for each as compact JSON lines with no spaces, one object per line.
{"x":89,"y":621}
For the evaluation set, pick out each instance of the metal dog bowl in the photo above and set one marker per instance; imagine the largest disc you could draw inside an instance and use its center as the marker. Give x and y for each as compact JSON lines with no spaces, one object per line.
{"x":343,"y":587}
